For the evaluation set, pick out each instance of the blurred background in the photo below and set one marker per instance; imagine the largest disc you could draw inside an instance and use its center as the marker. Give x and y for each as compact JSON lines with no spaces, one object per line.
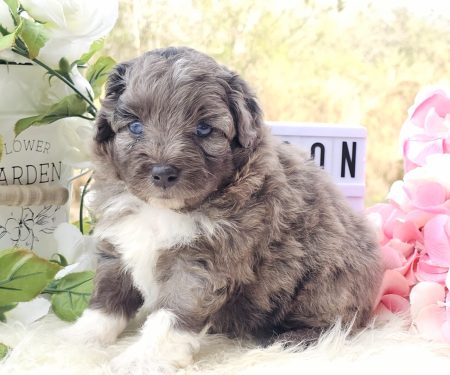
{"x":337,"y":61}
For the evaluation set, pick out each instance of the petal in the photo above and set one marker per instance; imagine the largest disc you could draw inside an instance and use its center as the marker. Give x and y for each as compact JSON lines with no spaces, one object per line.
{"x":388,"y":213}
{"x":382,"y":209}
{"x":69,"y":241}
{"x":418,"y":217}
{"x":429,"y":322}
{"x":417,"y":151}
{"x":426,"y":194}
{"x":24,"y":233}
{"x":407,"y":270}
{"x":437,"y":240}
{"x":66,"y":270}
{"x":404,"y":248}
{"x":432,"y":171}
{"x":389,"y":224}
{"x":376,"y":220}
{"x":434,"y":124}
{"x":391,"y":258}
{"x":409,"y":273}
{"x":426,"y":270}
{"x":446,"y":330}
{"x":406,"y":231}
{"x":398,"y":196}
{"x":424,"y":294}
{"x":11,"y":224}
{"x":395,"y":303}
{"x":29,"y":312}
{"x":438,"y":101}
{"x":27,"y":214}
{"x":46,"y":11}
{"x":393,"y":283}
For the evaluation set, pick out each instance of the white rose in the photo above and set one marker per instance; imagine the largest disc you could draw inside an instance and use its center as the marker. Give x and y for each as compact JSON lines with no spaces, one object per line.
{"x":79,"y":250}
{"x":73,"y":25}
{"x":76,"y":134}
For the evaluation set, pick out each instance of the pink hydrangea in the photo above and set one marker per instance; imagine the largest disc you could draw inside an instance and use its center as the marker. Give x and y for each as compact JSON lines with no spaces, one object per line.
{"x":414,"y":225}
{"x":427,"y":128}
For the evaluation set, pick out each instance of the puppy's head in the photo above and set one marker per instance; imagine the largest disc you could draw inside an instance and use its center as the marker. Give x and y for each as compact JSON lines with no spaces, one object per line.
{"x":175,"y":126}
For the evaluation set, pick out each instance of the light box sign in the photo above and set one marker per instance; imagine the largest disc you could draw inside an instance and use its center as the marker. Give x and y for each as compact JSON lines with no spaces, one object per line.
{"x":338,"y":149}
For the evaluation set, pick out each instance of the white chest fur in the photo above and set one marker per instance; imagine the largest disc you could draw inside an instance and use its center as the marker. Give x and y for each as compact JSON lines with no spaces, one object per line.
{"x":141,"y":236}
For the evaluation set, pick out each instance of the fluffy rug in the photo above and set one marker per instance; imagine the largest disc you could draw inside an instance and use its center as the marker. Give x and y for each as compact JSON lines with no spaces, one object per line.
{"x":385,"y":349}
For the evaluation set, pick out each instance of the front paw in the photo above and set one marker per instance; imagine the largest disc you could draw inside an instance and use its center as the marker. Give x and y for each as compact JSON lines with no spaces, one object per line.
{"x":94,"y":328}
{"x":138,"y":361}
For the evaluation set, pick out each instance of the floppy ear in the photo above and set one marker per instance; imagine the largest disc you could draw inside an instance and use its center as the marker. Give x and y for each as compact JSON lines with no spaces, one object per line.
{"x":246,"y":112}
{"x":115,"y":86}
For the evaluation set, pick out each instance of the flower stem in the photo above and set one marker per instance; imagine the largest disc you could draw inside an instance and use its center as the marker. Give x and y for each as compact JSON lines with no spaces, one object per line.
{"x":85,"y":188}
{"x":61,"y":77}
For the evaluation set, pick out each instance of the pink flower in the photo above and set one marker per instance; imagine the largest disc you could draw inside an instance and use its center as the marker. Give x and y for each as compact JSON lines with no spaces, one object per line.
{"x":427,"y":129}
{"x":392,"y":295}
{"x":430,"y":310}
{"x":383,"y":216}
{"x":437,"y":240}
{"x":414,"y":226}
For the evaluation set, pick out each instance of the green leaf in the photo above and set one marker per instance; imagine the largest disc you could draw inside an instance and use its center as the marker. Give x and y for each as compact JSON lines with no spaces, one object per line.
{"x":4,"y":350}
{"x":71,"y":295}
{"x":23,"y":275}
{"x":4,"y":309}
{"x":13,"y":5}
{"x":14,"y":9}
{"x":98,"y":73}
{"x":34,"y":35}
{"x":3,"y":30}
{"x":87,"y":225}
{"x":95,"y":47}
{"x":7,"y":41}
{"x":60,"y":259}
{"x":69,"y":106}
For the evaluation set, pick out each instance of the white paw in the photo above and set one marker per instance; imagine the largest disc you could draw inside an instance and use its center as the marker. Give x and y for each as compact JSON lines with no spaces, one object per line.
{"x":160,"y":350}
{"x":94,"y":328}
{"x":138,"y":361}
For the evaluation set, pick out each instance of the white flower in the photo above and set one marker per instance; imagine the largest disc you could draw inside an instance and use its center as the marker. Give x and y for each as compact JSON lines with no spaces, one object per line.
{"x":73,"y":25}
{"x":81,"y":83}
{"x":79,"y":250}
{"x":76,"y":134}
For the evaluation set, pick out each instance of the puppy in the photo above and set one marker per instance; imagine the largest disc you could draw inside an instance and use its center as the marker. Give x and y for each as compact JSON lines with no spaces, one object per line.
{"x":211,"y":224}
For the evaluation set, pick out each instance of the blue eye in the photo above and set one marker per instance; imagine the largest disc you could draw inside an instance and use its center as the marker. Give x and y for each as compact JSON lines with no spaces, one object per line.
{"x":136,"y":128}
{"x":203,"y":129}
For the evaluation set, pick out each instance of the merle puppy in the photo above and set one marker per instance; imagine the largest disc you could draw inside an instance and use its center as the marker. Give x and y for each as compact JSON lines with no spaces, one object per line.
{"x":210,"y":223}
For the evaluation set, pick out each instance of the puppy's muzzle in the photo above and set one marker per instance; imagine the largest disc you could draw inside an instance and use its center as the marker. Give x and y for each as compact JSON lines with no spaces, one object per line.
{"x":164,"y":175}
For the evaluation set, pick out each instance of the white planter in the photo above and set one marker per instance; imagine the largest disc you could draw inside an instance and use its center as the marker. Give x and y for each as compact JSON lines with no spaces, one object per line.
{"x":33,"y":177}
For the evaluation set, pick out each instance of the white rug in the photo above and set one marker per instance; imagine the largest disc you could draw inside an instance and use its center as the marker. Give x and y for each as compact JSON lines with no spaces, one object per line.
{"x":382,"y":351}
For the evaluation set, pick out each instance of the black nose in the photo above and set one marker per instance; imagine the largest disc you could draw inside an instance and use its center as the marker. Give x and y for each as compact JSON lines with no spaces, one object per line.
{"x":165,"y":175}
